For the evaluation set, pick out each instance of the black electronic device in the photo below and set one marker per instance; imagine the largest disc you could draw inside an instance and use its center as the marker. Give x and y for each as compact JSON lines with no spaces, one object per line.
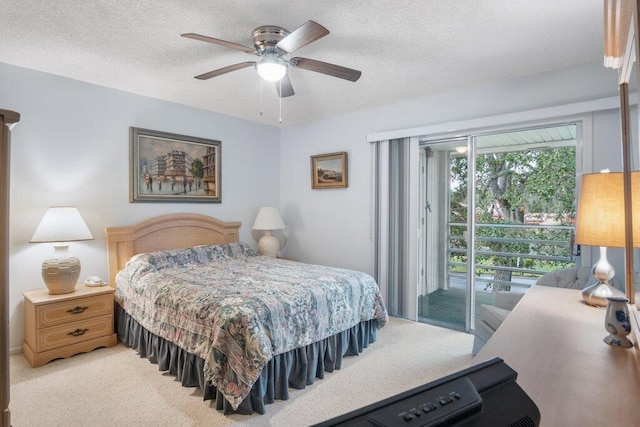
{"x":483,"y":395}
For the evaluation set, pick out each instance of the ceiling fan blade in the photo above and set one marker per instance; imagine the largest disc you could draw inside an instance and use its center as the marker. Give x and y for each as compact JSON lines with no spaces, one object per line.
{"x":224,"y":43}
{"x":326,"y":68}
{"x":225,"y":70}
{"x":308,"y":32}
{"x":284,"y":88}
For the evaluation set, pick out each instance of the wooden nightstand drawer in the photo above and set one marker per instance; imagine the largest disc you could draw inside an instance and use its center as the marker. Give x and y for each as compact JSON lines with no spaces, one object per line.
{"x":62,"y":325}
{"x":72,"y":333}
{"x":64,"y":312}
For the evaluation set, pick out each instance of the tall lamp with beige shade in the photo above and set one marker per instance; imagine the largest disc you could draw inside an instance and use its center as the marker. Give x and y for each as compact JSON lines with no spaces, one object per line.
{"x":268,"y":219}
{"x":61,"y":224}
{"x":601,"y":222}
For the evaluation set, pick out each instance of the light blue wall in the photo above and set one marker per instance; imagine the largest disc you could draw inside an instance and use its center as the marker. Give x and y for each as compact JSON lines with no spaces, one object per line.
{"x":71,"y":147}
{"x":334,"y":227}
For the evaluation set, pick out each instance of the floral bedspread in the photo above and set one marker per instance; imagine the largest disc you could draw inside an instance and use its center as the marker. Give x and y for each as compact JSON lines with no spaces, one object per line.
{"x":236,"y":309}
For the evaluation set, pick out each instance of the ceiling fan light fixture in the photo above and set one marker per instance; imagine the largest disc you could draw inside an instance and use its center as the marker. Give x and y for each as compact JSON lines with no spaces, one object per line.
{"x":271,"y":44}
{"x":271,"y":68}
{"x":271,"y":72}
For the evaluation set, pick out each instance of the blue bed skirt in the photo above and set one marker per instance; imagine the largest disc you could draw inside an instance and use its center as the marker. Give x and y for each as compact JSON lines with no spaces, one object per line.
{"x":297,"y":368}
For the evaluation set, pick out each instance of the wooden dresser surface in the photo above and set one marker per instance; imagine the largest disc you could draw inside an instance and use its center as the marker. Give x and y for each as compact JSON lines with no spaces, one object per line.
{"x":554,"y":341}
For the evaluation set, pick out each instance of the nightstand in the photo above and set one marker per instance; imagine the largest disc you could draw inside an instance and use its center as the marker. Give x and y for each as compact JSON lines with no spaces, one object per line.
{"x":59,"y":326}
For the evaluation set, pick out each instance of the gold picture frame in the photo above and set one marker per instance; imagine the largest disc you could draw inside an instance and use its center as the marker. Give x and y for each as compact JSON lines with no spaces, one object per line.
{"x":329,"y":170}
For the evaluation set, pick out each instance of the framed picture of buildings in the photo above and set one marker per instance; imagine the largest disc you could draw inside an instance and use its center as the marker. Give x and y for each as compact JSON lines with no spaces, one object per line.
{"x":329,"y":170}
{"x":166,"y":167}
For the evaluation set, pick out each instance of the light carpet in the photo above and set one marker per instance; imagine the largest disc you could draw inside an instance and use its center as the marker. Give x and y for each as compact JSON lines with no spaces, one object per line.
{"x":115,"y":387}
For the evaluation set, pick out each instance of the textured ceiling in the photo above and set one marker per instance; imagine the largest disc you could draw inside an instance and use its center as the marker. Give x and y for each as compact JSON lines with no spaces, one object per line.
{"x":405,"y":49}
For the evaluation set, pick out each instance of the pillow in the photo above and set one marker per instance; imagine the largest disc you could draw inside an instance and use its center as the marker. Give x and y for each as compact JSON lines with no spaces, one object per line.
{"x":194,"y":255}
{"x":494,"y":316}
{"x":136,"y":256}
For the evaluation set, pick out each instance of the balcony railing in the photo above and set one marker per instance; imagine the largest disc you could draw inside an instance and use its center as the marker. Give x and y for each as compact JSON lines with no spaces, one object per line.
{"x":519,"y":252}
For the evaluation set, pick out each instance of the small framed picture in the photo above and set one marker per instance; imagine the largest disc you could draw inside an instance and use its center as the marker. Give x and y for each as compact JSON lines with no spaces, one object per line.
{"x":167,"y":167}
{"x":329,"y":170}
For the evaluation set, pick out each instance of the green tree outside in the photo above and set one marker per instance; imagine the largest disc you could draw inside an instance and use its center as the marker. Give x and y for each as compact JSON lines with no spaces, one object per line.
{"x":516,"y":188}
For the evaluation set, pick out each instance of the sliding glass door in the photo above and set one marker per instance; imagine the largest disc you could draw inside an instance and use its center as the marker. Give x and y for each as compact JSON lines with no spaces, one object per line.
{"x":442,"y":273}
{"x":496,"y":212}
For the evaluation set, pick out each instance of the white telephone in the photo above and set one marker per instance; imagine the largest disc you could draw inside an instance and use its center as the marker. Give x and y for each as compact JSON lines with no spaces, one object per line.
{"x":94,"y":281}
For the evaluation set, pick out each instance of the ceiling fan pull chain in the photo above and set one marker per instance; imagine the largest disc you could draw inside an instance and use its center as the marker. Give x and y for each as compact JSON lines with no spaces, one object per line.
{"x":280,"y":98}
{"x":260,"y":95}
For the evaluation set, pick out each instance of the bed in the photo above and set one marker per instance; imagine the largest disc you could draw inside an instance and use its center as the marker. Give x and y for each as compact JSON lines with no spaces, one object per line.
{"x":243,"y":328}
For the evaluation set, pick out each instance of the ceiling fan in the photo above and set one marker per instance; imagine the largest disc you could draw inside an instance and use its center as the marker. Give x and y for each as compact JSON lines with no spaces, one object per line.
{"x":271,"y":44}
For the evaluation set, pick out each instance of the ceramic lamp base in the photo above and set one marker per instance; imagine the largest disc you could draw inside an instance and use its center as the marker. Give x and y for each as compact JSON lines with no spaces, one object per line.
{"x":61,"y":272}
{"x":269,"y":245}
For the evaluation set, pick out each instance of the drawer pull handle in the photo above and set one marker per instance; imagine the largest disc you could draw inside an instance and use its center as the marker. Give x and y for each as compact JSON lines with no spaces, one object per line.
{"x":77,"y":310}
{"x":77,"y":332}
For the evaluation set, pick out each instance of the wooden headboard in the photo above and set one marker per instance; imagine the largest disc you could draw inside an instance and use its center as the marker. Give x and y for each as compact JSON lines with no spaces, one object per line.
{"x":173,"y":231}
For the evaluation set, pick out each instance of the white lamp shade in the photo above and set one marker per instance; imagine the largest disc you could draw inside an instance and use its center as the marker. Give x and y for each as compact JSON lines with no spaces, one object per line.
{"x":61,"y":224}
{"x":268,"y":219}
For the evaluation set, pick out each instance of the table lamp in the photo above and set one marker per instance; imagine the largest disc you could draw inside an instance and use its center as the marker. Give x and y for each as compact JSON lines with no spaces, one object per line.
{"x":600,"y":222}
{"x":61,"y":224}
{"x":268,"y":219}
